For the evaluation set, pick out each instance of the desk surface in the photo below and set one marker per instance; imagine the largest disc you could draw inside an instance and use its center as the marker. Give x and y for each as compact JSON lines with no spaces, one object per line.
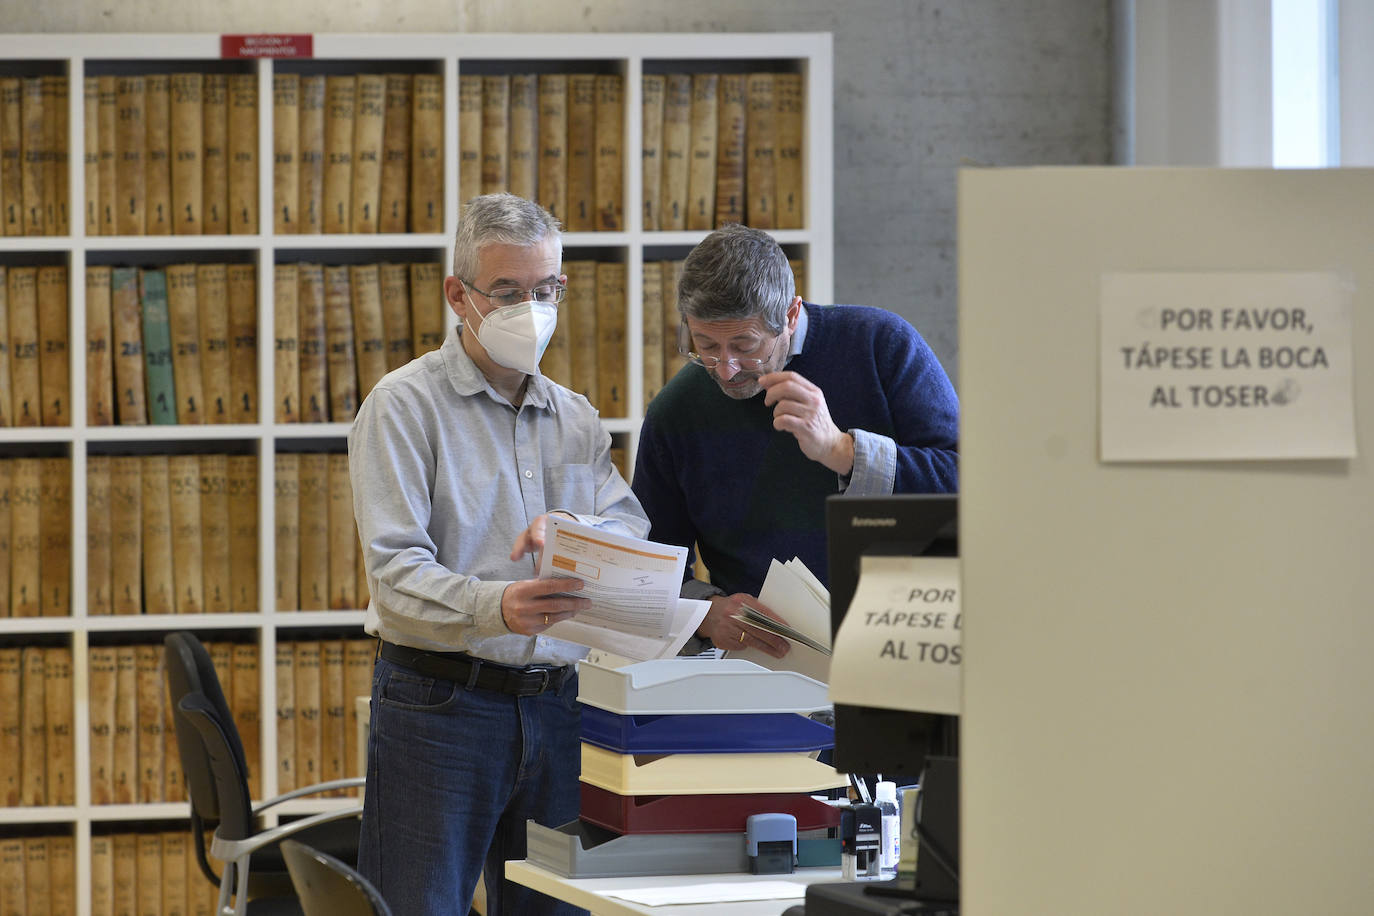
{"x":590,"y":893}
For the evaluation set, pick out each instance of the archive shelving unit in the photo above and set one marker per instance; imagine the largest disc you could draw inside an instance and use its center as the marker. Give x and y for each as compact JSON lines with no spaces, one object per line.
{"x":76,"y":56}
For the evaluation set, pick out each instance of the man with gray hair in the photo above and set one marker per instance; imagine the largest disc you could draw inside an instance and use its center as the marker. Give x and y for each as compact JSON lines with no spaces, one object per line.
{"x":783,"y":404}
{"x":457,"y":458}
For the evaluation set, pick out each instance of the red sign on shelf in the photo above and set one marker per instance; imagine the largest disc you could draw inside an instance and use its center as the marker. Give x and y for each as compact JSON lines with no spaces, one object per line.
{"x":266,"y":46}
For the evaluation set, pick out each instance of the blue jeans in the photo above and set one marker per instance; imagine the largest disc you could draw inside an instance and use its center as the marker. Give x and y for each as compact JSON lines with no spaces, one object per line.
{"x":452,"y":774}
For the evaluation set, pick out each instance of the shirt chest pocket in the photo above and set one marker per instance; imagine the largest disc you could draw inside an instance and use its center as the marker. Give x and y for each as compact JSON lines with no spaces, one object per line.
{"x":571,"y":487}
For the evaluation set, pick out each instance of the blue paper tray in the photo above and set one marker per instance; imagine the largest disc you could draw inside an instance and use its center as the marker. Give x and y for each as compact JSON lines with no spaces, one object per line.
{"x":704,"y":734}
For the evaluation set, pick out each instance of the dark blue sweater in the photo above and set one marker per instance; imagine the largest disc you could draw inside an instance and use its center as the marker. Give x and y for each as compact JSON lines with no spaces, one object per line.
{"x":712,"y":471}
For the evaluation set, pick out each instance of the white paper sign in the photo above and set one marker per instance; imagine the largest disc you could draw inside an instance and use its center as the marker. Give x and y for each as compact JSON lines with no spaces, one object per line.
{"x":1221,"y":366}
{"x":899,"y":645}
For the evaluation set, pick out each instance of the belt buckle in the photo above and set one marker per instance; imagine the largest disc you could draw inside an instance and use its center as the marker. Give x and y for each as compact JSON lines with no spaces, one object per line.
{"x":545,"y":676}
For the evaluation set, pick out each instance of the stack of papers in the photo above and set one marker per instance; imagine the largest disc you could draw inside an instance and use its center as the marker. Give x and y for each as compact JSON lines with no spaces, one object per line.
{"x":793,"y":593}
{"x":636,"y":613}
{"x":755,"y":618}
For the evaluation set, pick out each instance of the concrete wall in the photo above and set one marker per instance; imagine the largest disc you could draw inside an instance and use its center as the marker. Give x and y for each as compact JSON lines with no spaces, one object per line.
{"x":921,"y":88}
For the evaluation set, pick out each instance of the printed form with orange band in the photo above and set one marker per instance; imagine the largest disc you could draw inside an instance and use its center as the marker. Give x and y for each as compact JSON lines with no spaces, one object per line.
{"x":633,"y":585}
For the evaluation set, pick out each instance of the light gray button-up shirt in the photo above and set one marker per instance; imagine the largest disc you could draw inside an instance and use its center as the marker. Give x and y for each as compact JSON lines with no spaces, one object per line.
{"x":446,"y":474}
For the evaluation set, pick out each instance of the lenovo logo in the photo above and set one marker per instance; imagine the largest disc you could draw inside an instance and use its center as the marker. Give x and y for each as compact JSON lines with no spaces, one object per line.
{"x":860,"y":522}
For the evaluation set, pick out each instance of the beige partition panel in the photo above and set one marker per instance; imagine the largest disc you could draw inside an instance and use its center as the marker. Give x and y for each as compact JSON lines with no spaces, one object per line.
{"x":1169,"y":667}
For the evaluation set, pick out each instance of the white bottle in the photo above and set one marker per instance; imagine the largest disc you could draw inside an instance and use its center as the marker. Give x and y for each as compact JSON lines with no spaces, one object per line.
{"x":886,"y":800}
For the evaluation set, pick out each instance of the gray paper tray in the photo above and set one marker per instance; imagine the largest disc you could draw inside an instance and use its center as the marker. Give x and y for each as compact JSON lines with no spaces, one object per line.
{"x":581,"y":850}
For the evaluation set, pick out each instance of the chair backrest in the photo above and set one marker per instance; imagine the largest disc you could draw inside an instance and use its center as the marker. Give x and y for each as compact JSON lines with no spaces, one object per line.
{"x":328,"y":887}
{"x":224,"y":762}
{"x":190,"y":671}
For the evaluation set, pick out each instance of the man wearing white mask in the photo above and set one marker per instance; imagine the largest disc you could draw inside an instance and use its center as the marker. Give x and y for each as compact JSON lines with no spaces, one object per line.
{"x":456,"y":460}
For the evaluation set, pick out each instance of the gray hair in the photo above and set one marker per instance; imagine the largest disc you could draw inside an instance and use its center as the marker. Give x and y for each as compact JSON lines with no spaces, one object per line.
{"x":736,"y":273}
{"x":501,"y":219}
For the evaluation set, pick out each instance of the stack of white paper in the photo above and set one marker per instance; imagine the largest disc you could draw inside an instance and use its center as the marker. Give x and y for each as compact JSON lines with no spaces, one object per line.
{"x":793,"y":593}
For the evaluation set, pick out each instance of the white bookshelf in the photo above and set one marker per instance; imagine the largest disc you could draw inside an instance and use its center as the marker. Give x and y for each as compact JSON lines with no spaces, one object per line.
{"x":630,"y":55}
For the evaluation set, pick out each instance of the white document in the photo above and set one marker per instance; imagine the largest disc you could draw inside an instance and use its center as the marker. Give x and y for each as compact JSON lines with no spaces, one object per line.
{"x":794,"y":594}
{"x":628,"y":646}
{"x":722,"y":892}
{"x":633,"y":583}
{"x":899,"y":645}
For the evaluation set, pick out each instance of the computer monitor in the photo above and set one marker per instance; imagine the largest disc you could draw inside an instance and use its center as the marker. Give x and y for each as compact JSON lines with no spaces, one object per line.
{"x":906,"y":746}
{"x":887,"y":741}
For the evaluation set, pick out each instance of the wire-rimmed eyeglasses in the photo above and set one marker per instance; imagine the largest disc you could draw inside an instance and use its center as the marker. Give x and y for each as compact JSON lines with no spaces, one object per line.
{"x":502,"y":296}
{"x":738,"y":363}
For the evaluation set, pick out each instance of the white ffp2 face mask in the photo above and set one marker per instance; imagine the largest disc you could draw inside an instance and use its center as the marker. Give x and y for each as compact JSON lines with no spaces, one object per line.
{"x":515,"y":336}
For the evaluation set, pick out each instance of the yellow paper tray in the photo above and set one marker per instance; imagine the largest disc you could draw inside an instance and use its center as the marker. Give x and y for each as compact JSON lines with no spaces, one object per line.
{"x":706,"y":774}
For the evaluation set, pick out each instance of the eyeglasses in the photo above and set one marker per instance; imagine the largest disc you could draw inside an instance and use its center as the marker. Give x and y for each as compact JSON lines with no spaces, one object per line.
{"x":739,"y":363}
{"x":502,"y":296}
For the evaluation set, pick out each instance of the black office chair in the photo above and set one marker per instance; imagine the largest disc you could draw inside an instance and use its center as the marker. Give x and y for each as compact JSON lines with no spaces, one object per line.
{"x":328,"y":887}
{"x":216,"y":777}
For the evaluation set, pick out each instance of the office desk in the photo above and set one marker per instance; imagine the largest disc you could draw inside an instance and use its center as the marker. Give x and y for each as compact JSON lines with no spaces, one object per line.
{"x":590,"y":893}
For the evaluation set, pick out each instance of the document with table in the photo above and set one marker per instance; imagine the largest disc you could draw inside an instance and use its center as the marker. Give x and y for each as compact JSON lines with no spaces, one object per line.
{"x":633,"y":585}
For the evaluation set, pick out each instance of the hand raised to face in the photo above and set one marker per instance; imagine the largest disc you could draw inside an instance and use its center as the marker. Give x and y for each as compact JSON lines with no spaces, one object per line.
{"x":799,"y":408}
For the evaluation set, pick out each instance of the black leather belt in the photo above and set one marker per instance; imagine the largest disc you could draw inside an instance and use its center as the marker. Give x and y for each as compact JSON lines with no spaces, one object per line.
{"x":468,"y":671}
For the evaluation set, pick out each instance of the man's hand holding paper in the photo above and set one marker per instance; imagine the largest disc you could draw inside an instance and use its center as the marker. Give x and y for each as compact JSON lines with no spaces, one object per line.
{"x":726,"y":631}
{"x":791,"y":586}
{"x":531,"y":606}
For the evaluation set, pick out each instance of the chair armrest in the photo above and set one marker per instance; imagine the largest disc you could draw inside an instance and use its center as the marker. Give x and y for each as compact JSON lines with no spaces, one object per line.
{"x":350,"y":783}
{"x":233,"y":850}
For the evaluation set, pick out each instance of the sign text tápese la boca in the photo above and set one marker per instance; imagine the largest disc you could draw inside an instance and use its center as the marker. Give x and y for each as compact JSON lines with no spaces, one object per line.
{"x":1226,"y":365}
{"x":900,"y":645}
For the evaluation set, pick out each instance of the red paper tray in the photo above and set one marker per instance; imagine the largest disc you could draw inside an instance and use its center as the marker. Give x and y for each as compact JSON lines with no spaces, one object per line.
{"x":699,"y":813}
